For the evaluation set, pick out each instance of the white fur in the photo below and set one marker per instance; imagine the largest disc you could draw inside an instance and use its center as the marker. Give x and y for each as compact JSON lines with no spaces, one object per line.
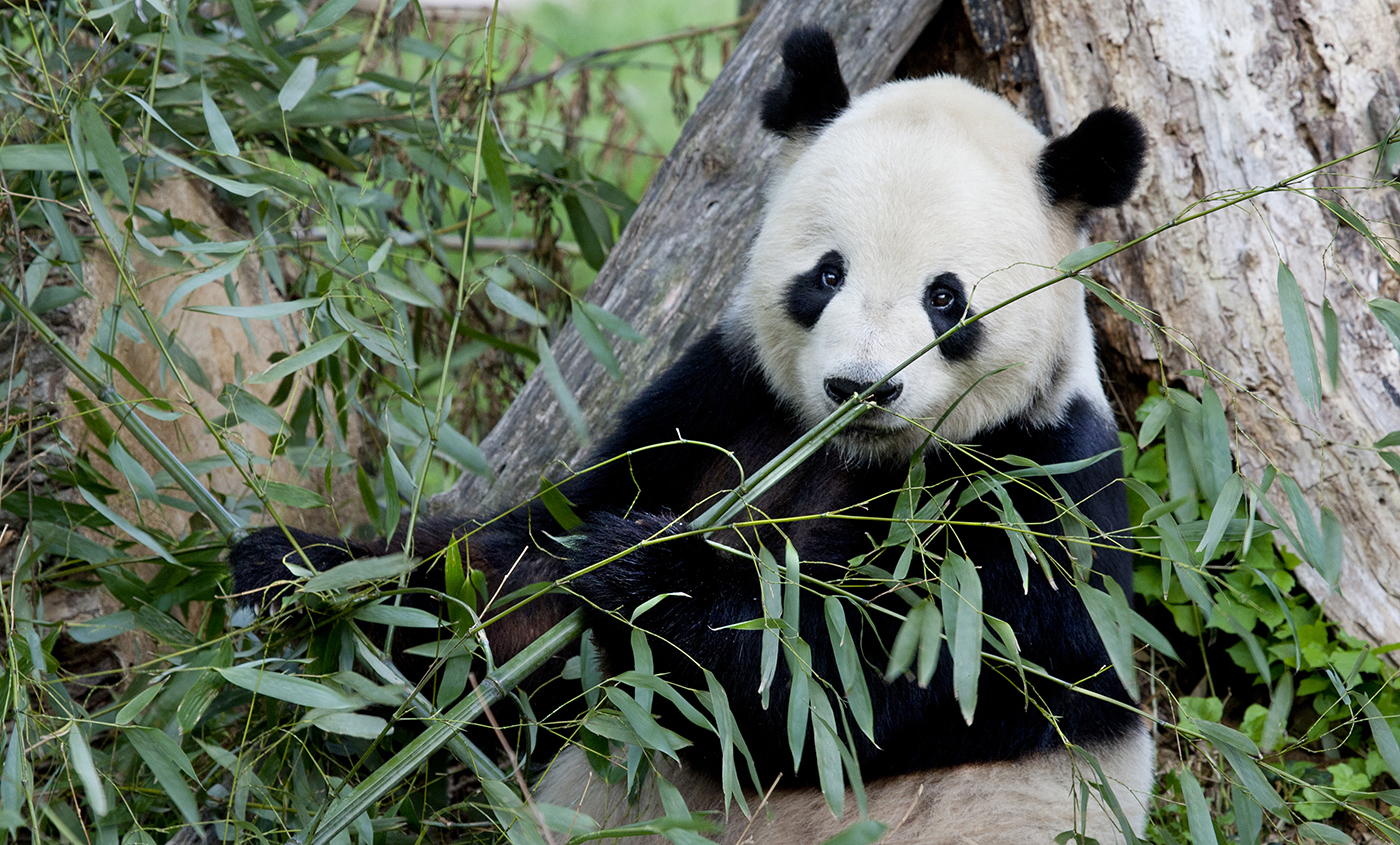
{"x":1023,"y":802}
{"x":915,"y":179}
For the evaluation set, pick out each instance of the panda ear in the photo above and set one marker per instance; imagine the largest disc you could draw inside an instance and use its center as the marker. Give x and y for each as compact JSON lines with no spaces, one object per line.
{"x":811,"y":92}
{"x":1097,"y":165}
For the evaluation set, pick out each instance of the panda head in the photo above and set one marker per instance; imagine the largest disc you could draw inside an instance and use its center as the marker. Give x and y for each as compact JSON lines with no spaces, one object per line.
{"x":894,"y":216}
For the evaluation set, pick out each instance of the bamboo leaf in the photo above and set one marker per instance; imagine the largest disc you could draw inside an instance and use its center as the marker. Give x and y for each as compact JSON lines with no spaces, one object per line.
{"x":219,"y":133}
{"x":80,"y":759}
{"x":168,"y":763}
{"x":1331,"y":341}
{"x":1249,"y":816}
{"x":288,"y":688}
{"x":1323,"y":833}
{"x":1197,"y":811}
{"x":304,"y":358}
{"x":1080,"y":259}
{"x":1298,"y":333}
{"x":131,"y":530}
{"x":930,"y":642}
{"x":1387,"y":311}
{"x":963,"y":628}
{"x":555,"y":379}
{"x":297,"y":84}
{"x":326,"y":15}
{"x":1276,"y":720}
{"x":513,"y":305}
{"x":360,"y":725}
{"x":867,"y":832}
{"x":906,"y":641}
{"x":1221,"y":517}
{"x":849,"y":667}
{"x":357,"y":572}
{"x":98,"y":136}
{"x":496,"y":177}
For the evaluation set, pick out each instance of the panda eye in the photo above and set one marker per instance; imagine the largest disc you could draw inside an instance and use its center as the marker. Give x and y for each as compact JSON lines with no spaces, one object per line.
{"x":832,"y":277}
{"x":941,"y":298}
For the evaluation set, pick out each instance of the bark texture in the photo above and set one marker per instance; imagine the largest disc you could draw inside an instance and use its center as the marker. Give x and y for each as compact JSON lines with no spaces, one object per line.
{"x":671,"y":272}
{"x":1236,"y":94}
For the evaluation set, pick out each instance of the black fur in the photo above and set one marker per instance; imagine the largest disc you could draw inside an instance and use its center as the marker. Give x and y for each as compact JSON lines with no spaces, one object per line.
{"x":1098,"y":164}
{"x":810,"y":93}
{"x":651,"y":493}
{"x":809,"y":293}
{"x":963,"y":343}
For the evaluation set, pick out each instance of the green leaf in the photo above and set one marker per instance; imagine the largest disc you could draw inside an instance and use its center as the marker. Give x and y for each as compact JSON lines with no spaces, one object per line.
{"x":233,"y":186}
{"x":906,"y":641}
{"x":55,"y":157}
{"x":1215,"y":438}
{"x":288,"y":688}
{"x":644,"y":725}
{"x":132,"y":471}
{"x":305,"y":358}
{"x":328,"y":14}
{"x":1309,"y":533}
{"x":1391,"y":439}
{"x":1110,"y":299}
{"x":291,"y":494}
{"x":1276,"y":720}
{"x":930,"y":642}
{"x":166,"y":760}
{"x":401,"y":616}
{"x":360,"y":725}
{"x":266,"y":311}
{"x":555,"y":379}
{"x":298,"y":83}
{"x":1298,"y":333}
{"x":1197,"y":811}
{"x":1323,"y":833}
{"x":514,"y":305}
{"x":1388,"y":312}
{"x":1222,"y":517}
{"x":131,"y":530}
{"x":1384,"y":737}
{"x":356,"y":572}
{"x":80,"y":760}
{"x":98,"y":135}
{"x":133,"y":708}
{"x":496,"y":176}
{"x":1111,"y":614}
{"x":558,"y":505}
{"x":1249,"y":816}
{"x":219,"y":133}
{"x":867,"y":832}
{"x":592,"y":337}
{"x":849,"y":666}
{"x":1092,"y":254}
{"x":588,"y":243}
{"x":961,"y":600}
{"x":1152,"y":426}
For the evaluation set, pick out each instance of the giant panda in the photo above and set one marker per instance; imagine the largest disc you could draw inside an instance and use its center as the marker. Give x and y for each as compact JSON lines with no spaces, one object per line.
{"x":890,"y":219}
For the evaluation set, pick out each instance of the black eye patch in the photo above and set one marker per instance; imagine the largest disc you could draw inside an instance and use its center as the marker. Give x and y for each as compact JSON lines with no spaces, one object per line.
{"x":809,"y":293}
{"x":945,"y":300}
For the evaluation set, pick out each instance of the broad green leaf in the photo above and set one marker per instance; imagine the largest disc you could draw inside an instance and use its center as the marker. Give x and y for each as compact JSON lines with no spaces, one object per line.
{"x":1249,"y":816}
{"x":266,"y":311}
{"x":133,"y":708}
{"x":168,"y":763}
{"x":1298,"y":333}
{"x":1111,"y":614}
{"x":770,"y":593}
{"x":849,"y":666}
{"x":1391,"y":439}
{"x":1332,"y":552}
{"x":400,"y":616}
{"x":233,"y":186}
{"x":292,"y":495}
{"x":906,"y":642}
{"x":930,"y":642}
{"x":326,"y":15}
{"x":963,"y":628}
{"x":1092,"y":254}
{"x":1222,"y":517}
{"x":55,"y":157}
{"x":98,"y":135}
{"x":496,"y":177}
{"x":288,"y":688}
{"x":1253,"y":781}
{"x":356,"y":572}
{"x":828,"y":749}
{"x":589,"y":245}
{"x":80,"y":760}
{"x":1152,"y":426}
{"x":1197,"y":811}
{"x":1215,"y":437}
{"x":305,"y":358}
{"x":1384,"y":737}
{"x":132,"y":471}
{"x":867,"y":832}
{"x":131,"y":530}
{"x":1110,"y":299}
{"x":592,"y":337}
{"x":360,"y":725}
{"x":199,"y":280}
{"x":1387,"y":311}
{"x":611,"y":322}
{"x":219,"y":133}
{"x":555,"y":379}
{"x":1308,"y":531}
{"x":298,"y":83}
{"x":514,"y":305}
{"x":1276,"y":720}
{"x":1323,"y":833}
{"x":102,"y":628}
{"x":644,"y":725}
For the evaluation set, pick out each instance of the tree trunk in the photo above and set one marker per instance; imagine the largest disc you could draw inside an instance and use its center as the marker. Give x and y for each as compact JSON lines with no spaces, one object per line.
{"x":1247,"y":94}
{"x":1233,"y":95}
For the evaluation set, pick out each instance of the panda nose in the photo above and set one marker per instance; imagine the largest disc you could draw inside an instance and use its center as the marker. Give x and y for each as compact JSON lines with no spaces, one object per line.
{"x":841,"y":389}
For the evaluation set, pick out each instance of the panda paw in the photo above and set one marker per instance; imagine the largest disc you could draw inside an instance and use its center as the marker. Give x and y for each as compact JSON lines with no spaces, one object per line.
{"x":259,"y":561}
{"x":657,"y":559}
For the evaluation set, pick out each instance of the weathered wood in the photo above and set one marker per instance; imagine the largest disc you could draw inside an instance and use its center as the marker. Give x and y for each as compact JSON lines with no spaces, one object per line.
{"x":671,"y":272}
{"x":1241,"y":94}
